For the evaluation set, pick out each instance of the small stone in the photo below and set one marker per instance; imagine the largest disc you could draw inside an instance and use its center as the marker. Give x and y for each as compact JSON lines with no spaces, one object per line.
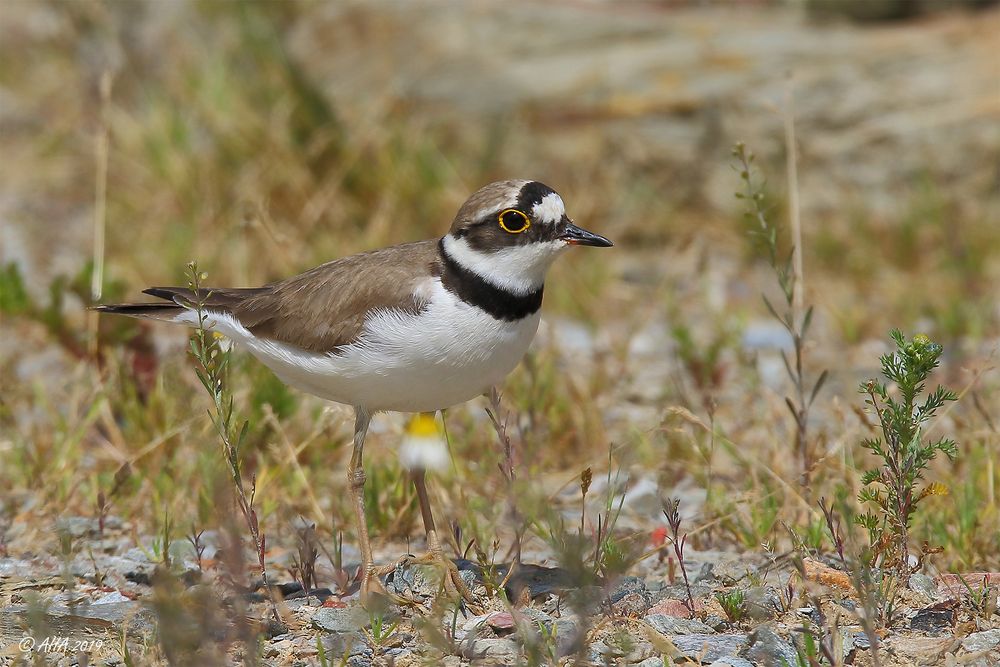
{"x":502,"y":623}
{"x":630,"y":651}
{"x":339,"y":644}
{"x":359,"y":660}
{"x":671,"y":625}
{"x":627,"y":585}
{"x":112,"y":598}
{"x":643,"y":498}
{"x":935,"y":619}
{"x":706,"y":574}
{"x":470,"y":628}
{"x":503,"y":651}
{"x":717,"y":623}
{"x":130,"y":616}
{"x":567,"y":631}
{"x":982,"y":641}
{"x":768,"y":649}
{"x":653,"y":661}
{"x":77,"y":526}
{"x":300,"y":603}
{"x":760,"y":603}
{"x":678,"y":591}
{"x":535,"y":617}
{"x":412,"y":580}
{"x":539,"y":580}
{"x":924,"y":585}
{"x":350,"y":619}
{"x":710,"y":647}
{"x":671,"y":607}
{"x":861,"y":641}
{"x":631,"y":605}
{"x":732,"y":662}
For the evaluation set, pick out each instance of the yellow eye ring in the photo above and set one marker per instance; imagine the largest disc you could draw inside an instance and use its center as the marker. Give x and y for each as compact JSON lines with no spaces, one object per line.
{"x":511,"y":214}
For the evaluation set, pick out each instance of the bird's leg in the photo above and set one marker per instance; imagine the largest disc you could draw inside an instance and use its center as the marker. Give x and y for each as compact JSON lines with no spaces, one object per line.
{"x":436,"y":555}
{"x":356,"y":481}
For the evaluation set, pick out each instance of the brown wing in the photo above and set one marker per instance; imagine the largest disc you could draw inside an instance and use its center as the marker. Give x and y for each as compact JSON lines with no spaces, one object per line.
{"x":326,"y":307}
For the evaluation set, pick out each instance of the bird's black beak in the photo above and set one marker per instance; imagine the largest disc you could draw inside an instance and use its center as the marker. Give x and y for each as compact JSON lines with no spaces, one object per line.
{"x":574,"y":235}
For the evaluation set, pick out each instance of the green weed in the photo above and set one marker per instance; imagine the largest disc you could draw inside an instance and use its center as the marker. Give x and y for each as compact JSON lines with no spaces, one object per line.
{"x":903,"y":449}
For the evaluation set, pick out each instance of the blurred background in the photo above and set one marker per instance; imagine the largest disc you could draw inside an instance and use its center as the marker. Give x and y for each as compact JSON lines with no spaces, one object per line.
{"x":264,"y":138}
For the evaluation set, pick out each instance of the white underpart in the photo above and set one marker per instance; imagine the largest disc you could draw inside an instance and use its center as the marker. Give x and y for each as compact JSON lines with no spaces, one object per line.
{"x":447,"y":354}
{"x":422,"y":452}
{"x":519,"y":269}
{"x":550,"y":210}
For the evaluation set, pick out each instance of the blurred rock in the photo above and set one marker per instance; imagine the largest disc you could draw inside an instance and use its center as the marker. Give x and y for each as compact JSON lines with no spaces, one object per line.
{"x":670,"y":625}
{"x":936,"y":619}
{"x":982,"y":641}
{"x":492,"y":651}
{"x":130,"y":617}
{"x":732,"y":662}
{"x":767,"y":649}
{"x":349,"y":619}
{"x":627,"y":585}
{"x":411,"y":580}
{"x":502,"y":623}
{"x":924,"y":585}
{"x":675,"y":608}
{"x":351,"y":644}
{"x":710,"y":647}
{"x":761,"y":604}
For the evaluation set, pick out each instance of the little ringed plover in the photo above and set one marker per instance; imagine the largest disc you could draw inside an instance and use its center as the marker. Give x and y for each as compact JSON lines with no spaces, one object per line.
{"x":417,"y":327}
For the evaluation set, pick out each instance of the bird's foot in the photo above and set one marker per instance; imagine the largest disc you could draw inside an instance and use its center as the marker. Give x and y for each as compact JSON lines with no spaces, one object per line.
{"x":373,"y":595}
{"x":451,"y":578}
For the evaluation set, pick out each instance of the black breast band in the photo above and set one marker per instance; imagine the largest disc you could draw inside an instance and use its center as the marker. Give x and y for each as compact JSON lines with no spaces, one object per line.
{"x":474,"y":290}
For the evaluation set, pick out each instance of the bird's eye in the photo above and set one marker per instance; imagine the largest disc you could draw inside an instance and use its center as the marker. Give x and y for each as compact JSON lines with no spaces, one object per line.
{"x":514,"y":221}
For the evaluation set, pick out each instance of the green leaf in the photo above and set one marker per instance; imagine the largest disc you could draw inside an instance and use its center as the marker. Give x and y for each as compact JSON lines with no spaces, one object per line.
{"x":14,"y":298}
{"x":806,"y":321}
{"x":819,"y":385}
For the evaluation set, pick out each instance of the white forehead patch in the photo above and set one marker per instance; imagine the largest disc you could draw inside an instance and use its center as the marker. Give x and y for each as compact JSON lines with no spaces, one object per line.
{"x":551,"y":209}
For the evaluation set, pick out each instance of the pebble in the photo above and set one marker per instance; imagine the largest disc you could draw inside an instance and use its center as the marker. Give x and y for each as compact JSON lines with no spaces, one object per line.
{"x":710,"y":647}
{"x":643,"y":497}
{"x":627,"y":585}
{"x":410,"y":580}
{"x":924,"y":585}
{"x":768,"y":649}
{"x":602,"y":653}
{"x":671,"y":625}
{"x":567,"y":631}
{"x":502,"y":623}
{"x":503,"y":651}
{"x":761,"y":604}
{"x":732,"y":662}
{"x":982,"y":641}
{"x":539,"y":580}
{"x":934,"y":620}
{"x":345,"y":620}
{"x":653,"y":661}
{"x":632,"y":605}
{"x":671,"y":607}
{"x":338,"y":644}
{"x":112,"y":598}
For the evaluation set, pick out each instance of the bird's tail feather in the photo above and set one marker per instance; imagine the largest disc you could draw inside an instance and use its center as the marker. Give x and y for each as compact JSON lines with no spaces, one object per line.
{"x":177,"y":300}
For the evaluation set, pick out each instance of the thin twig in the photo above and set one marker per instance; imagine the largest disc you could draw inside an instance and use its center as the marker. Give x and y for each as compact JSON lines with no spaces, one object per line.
{"x":100,"y":209}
